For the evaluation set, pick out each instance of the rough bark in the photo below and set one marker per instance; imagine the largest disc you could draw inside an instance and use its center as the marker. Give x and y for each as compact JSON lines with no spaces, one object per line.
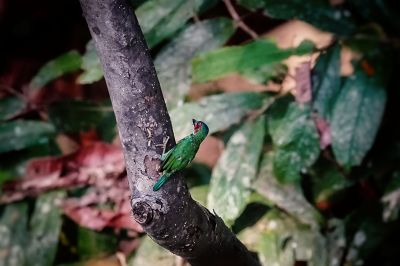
{"x":169,"y":216}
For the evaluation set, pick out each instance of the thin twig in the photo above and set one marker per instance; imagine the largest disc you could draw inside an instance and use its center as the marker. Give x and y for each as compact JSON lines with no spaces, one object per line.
{"x":239,"y":21}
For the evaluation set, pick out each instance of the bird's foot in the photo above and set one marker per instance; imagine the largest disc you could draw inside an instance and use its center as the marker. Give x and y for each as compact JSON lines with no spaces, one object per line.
{"x":164,"y":145}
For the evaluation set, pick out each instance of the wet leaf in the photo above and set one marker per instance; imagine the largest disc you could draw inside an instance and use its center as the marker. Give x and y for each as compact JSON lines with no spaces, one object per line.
{"x":64,"y":64}
{"x":219,"y":112}
{"x":173,"y":63}
{"x":295,"y":136}
{"x":44,"y":226}
{"x":160,"y":19}
{"x":10,"y":107}
{"x":239,"y":59}
{"x":288,"y":197}
{"x":149,"y":253}
{"x":20,"y":134}
{"x":317,"y":12}
{"x":326,"y":81}
{"x":356,"y":117}
{"x":91,"y":66}
{"x":231,"y":180}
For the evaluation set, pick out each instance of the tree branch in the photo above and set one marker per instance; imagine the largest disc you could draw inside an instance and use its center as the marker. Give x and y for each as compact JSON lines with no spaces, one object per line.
{"x":239,"y":22}
{"x":169,"y":216}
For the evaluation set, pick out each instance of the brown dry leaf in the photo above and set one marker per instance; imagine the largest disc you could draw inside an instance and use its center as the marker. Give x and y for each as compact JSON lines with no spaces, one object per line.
{"x":66,"y":144}
{"x":229,"y":83}
{"x":290,"y":35}
{"x":346,"y":57}
{"x":209,"y":151}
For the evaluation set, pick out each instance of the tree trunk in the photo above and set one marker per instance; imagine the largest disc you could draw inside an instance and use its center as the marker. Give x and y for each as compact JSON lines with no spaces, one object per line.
{"x":169,"y":216}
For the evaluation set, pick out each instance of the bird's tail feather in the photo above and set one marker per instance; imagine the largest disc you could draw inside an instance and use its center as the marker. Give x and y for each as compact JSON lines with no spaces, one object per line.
{"x":163,"y":179}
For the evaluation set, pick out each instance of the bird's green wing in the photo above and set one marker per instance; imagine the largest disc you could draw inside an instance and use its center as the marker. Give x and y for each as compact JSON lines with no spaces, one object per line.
{"x":176,"y":158}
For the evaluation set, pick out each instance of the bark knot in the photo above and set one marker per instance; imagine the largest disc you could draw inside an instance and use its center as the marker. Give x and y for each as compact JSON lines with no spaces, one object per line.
{"x":142,"y":212}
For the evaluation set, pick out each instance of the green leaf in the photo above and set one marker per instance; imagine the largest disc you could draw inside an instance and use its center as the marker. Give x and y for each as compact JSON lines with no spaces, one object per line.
{"x":279,"y":240}
{"x":384,"y":12}
{"x":320,"y":13}
{"x":356,"y":117}
{"x":76,"y":116}
{"x":368,"y":234}
{"x":219,"y":112}
{"x":10,"y":106}
{"x":238,"y":59}
{"x":160,"y":19}
{"x":199,"y":193}
{"x":14,"y":236}
{"x":173,"y":63}
{"x":66,"y":63}
{"x":95,"y":244}
{"x":20,"y":134}
{"x":295,"y":136}
{"x":288,"y":197}
{"x":230,"y":185}
{"x":44,"y":226}
{"x":391,"y":199}
{"x":91,"y":66}
{"x":328,"y":183}
{"x":13,"y":164}
{"x":149,"y":253}
{"x":326,"y":81}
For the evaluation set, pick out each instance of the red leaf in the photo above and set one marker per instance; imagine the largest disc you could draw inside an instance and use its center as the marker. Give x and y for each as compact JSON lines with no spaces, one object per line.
{"x":324,"y":131}
{"x":87,"y":138}
{"x":99,"y":154}
{"x":125,"y":221}
{"x":88,"y":165}
{"x":303,"y":83}
{"x":127,"y":246}
{"x":89,"y":217}
{"x":98,"y":219}
{"x":100,"y":165}
{"x":367,"y":67}
{"x":323,"y":205}
{"x":46,"y":167}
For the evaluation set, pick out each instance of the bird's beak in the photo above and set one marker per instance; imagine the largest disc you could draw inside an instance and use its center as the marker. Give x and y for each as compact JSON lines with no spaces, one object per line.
{"x":194,"y":121}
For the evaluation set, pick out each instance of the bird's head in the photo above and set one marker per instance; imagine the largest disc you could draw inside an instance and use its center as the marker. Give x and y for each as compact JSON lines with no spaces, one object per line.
{"x":199,"y":126}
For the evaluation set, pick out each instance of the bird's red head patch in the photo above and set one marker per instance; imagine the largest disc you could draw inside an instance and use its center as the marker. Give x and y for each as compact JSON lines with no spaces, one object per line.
{"x":196,"y":125}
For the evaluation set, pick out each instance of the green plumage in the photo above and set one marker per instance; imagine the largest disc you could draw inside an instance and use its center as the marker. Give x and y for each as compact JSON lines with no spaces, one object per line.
{"x":182,"y":154}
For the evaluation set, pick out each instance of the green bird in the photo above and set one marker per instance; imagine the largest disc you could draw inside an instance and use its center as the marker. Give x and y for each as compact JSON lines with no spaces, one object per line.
{"x":182,"y":154}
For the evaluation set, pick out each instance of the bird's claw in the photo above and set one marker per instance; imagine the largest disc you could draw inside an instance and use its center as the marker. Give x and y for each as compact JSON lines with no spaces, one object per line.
{"x":165,"y":142}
